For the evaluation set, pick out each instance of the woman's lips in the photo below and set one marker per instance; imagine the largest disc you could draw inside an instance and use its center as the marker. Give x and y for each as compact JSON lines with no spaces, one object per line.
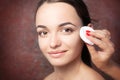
{"x":56,"y":54}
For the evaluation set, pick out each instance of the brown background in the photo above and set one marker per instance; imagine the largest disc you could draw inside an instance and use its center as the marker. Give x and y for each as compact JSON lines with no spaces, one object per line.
{"x":20,"y":57}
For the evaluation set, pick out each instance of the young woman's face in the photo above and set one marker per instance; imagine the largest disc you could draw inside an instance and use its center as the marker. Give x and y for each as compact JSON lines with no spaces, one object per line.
{"x":58,"y":33}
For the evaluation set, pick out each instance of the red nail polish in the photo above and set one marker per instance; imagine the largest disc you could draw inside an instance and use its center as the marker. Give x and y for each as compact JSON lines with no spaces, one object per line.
{"x":87,"y":32}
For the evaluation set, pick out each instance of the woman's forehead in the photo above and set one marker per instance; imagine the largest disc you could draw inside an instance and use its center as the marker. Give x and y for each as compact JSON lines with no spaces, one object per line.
{"x":56,"y":7}
{"x":56,"y":12}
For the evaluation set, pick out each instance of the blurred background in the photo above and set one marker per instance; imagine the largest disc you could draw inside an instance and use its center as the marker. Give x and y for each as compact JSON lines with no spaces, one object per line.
{"x":20,"y":57}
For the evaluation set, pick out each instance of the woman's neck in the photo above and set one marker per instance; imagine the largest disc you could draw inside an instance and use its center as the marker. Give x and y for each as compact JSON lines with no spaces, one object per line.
{"x":68,"y":71}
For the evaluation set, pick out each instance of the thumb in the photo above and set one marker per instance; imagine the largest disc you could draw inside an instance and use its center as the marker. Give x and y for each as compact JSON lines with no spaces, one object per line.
{"x":92,"y":50}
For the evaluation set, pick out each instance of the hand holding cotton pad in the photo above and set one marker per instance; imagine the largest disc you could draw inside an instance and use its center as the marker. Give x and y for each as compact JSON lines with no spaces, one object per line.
{"x":83,"y":34}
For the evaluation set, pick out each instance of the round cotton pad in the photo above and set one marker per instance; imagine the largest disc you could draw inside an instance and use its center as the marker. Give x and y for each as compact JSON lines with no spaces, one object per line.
{"x":83,"y":34}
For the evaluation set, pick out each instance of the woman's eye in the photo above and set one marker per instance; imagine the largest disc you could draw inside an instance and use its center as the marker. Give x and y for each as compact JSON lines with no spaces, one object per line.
{"x":43,"y":33}
{"x":67,"y":30}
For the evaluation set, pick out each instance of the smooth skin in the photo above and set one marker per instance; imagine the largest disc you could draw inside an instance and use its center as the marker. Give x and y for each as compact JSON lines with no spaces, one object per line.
{"x":58,"y":37}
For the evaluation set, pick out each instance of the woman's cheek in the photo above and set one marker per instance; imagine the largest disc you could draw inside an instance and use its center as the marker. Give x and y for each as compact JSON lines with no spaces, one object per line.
{"x":42,"y":44}
{"x":69,"y":41}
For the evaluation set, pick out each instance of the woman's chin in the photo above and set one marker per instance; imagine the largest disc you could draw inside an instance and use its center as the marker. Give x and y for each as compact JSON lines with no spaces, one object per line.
{"x":58,"y":64}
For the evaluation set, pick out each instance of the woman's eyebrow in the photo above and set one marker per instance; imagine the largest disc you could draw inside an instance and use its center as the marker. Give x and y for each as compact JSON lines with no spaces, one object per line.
{"x":60,"y":25}
{"x":66,"y":23}
{"x":41,"y":26}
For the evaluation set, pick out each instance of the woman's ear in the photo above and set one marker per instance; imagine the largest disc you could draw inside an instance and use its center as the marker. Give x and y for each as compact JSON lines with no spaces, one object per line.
{"x":90,"y":25}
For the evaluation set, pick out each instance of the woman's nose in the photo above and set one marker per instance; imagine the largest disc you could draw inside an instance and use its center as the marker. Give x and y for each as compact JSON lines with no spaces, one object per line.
{"x":55,"y":41}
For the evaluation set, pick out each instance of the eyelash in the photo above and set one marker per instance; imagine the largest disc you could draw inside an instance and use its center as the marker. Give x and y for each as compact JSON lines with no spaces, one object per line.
{"x":42,"y":33}
{"x":67,"y":30}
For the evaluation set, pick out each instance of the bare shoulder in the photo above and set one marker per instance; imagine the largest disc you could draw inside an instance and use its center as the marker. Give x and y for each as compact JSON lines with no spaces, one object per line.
{"x":49,"y":77}
{"x":95,"y":75}
{"x":91,"y":74}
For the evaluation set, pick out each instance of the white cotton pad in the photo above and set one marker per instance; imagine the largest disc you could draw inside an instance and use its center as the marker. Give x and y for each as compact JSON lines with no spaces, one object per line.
{"x":83,"y":34}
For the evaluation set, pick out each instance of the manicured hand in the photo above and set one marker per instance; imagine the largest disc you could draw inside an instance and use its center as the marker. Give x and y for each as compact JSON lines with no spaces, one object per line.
{"x":105,"y":48}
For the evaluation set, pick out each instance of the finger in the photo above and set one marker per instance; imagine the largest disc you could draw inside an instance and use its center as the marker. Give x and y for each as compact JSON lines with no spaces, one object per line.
{"x":101,"y":34}
{"x":101,"y":44}
{"x":92,"y":50}
{"x":106,"y":46}
{"x":101,"y":37}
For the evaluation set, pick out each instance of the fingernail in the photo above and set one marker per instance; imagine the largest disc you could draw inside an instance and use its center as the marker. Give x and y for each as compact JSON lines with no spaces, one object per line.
{"x":87,"y":32}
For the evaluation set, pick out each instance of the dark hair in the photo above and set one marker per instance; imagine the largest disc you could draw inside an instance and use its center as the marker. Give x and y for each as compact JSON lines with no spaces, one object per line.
{"x":83,"y":13}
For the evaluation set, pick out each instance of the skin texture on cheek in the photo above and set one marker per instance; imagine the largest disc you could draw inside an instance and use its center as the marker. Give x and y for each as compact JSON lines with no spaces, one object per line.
{"x":72,"y":43}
